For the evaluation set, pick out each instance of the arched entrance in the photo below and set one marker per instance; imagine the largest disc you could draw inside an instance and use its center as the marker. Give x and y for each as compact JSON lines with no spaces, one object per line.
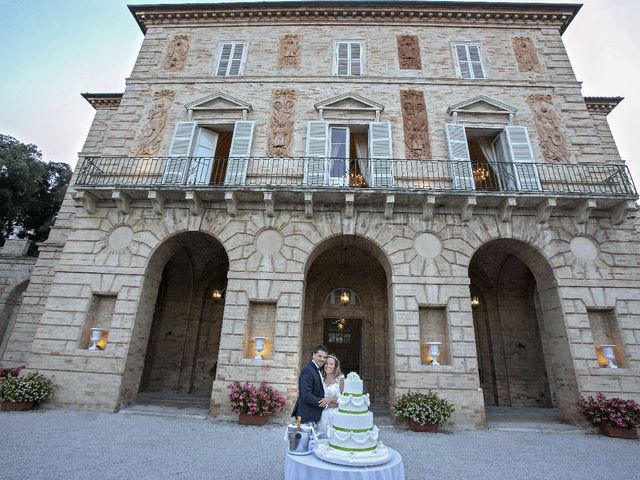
{"x":346,"y":308}
{"x":522,"y":347}
{"x":10,"y":312}
{"x":182,"y":320}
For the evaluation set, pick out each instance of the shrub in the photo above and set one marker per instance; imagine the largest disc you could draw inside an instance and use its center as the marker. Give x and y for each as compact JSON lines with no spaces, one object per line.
{"x":613,"y":411}
{"x":33,"y":387}
{"x":422,"y":408}
{"x":252,"y":400}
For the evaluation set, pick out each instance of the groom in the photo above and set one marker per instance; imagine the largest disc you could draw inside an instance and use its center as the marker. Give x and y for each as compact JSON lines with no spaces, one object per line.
{"x":311,"y":400}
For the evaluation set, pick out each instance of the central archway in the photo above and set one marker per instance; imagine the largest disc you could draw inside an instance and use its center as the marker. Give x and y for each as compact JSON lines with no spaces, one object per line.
{"x":357,"y":330}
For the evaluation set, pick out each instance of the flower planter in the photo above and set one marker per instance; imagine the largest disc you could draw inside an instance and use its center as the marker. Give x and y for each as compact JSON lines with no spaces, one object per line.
{"x":429,"y":427}
{"x":16,"y":406}
{"x":618,"y":432}
{"x":257,"y":420}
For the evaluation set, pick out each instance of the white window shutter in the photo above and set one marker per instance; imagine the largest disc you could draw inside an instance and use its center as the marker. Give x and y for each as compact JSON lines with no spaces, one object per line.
{"x":475,"y":61}
{"x":355,"y":60}
{"x":204,"y":151}
{"x":239,"y":153}
{"x":462,"y":64}
{"x":523,"y":160}
{"x":461,"y":172}
{"x":176,"y":168}
{"x":381,"y":152}
{"x":504,"y":167}
{"x":225,"y":59}
{"x":342,"y":58}
{"x":315,"y":167}
{"x":237,"y":59}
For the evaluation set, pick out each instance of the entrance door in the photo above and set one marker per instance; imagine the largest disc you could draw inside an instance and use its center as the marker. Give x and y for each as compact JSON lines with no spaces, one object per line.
{"x":343,"y":340}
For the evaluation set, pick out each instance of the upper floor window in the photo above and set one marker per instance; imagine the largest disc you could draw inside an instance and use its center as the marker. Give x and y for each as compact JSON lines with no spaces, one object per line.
{"x":231,"y":59}
{"x":349,"y":59}
{"x":468,"y":61}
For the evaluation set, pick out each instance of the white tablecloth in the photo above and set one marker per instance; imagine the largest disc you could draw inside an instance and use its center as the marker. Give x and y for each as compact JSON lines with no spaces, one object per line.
{"x":310,"y":467}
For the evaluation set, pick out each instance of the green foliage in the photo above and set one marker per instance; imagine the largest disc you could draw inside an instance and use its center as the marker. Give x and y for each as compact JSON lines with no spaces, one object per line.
{"x":31,"y":190}
{"x":33,"y":387}
{"x":422,"y":408}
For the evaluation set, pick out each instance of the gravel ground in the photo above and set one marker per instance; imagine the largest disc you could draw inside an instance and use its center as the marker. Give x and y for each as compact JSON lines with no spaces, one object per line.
{"x":57,"y":444}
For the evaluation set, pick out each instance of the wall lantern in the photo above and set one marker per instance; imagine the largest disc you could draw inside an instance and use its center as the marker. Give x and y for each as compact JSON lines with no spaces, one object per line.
{"x":259,"y":347}
{"x":344,"y":298}
{"x":475,"y":302}
{"x":609,"y":353}
{"x":217,"y":294}
{"x":98,"y":338}
{"x":434,"y":351}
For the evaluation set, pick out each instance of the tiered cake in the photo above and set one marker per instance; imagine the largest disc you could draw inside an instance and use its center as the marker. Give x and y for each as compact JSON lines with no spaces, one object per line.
{"x":353,"y":438}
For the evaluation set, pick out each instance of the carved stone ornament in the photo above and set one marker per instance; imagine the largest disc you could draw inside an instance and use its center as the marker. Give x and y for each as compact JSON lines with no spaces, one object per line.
{"x":416,"y":127}
{"x":526,"y":54}
{"x":177,"y":52}
{"x":552,"y":141}
{"x":282,"y":111}
{"x":290,"y":51}
{"x":156,"y":122}
{"x":409,"y":52}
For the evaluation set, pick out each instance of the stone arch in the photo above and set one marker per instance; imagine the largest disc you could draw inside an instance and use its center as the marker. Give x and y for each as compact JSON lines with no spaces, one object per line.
{"x":521,"y":313}
{"x":358,"y":264}
{"x":12,"y":303}
{"x":200,"y":258}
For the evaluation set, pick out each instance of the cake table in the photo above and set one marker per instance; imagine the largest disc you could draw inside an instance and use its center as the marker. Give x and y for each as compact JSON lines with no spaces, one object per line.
{"x":310,"y":467}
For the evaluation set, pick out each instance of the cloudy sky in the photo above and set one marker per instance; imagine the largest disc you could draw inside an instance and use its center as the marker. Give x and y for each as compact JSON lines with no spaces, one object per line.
{"x":52,"y":50}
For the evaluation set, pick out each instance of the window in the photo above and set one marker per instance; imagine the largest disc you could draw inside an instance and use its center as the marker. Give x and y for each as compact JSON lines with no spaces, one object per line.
{"x":354,"y":155}
{"x":204,"y":155}
{"x":491,"y":158}
{"x":349,"y":59}
{"x":468,"y":61}
{"x":231,"y":59}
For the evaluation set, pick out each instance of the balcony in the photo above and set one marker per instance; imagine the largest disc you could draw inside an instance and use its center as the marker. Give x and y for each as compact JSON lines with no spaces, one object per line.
{"x":367,"y":181}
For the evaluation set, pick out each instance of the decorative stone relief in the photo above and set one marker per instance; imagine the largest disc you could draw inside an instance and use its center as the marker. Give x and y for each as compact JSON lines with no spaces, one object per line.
{"x":416,"y":128}
{"x":290,"y":51}
{"x":409,"y":52}
{"x":156,"y":122}
{"x":177,"y":52}
{"x":526,"y":54}
{"x":552,"y":142}
{"x":282,"y":110}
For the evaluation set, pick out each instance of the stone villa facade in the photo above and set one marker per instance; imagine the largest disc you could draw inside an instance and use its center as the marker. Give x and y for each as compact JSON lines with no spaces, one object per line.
{"x":265,"y":160}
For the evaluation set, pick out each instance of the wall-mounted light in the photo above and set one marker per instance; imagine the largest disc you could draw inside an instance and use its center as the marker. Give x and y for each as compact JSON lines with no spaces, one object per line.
{"x":475,"y":302}
{"x":216,"y":294}
{"x":341,"y":324}
{"x":98,"y":338}
{"x":344,"y":298}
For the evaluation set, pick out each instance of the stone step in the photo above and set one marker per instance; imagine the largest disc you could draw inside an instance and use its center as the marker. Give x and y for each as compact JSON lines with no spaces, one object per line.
{"x":522,"y":419}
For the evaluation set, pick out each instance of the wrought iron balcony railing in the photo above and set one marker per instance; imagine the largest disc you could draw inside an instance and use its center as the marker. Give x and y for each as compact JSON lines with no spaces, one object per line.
{"x":383,"y":174}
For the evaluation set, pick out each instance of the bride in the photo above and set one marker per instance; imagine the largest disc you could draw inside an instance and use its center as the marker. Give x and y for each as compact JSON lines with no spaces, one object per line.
{"x":333,"y":383}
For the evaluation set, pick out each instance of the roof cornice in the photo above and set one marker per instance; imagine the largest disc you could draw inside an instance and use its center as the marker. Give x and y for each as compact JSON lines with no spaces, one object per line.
{"x":602,"y":104}
{"x":103,"y":101}
{"x":556,"y":14}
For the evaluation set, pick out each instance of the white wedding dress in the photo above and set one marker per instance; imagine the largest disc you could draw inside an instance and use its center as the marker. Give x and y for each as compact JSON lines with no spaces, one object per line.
{"x":330,"y":390}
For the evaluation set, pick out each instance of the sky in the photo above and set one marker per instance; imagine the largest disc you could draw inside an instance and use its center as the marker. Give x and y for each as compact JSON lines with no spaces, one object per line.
{"x":53,"y":50}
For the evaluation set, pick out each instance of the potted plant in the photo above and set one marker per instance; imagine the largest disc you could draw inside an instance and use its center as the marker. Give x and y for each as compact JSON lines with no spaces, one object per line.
{"x":615,"y":417}
{"x":255,"y":404}
{"x":21,"y":393}
{"x":423,"y":411}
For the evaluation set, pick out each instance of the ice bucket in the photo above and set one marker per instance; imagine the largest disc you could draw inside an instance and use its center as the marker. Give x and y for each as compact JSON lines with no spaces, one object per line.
{"x":298,"y":441}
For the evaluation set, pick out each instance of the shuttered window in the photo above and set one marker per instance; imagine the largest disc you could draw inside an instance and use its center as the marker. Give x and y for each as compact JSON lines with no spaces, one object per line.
{"x":349,"y":59}
{"x":468,"y":61}
{"x":231,"y":59}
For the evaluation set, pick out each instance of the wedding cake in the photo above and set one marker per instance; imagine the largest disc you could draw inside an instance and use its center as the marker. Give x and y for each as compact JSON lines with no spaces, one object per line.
{"x":353,"y":438}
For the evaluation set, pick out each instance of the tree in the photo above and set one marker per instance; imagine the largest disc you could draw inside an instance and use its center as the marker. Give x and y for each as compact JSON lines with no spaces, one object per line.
{"x":31,"y":190}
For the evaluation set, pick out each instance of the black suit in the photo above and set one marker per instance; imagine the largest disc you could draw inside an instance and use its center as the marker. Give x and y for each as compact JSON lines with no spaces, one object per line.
{"x":310,"y":392}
